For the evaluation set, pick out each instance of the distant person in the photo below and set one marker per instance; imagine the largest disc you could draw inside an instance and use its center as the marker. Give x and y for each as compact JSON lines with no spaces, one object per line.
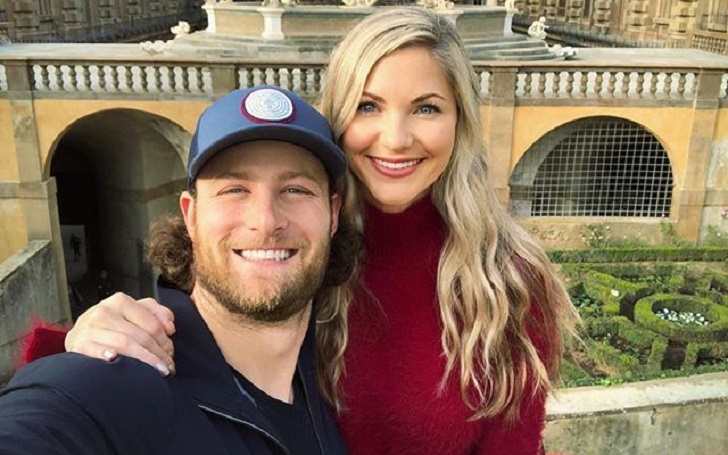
{"x":76,"y":247}
{"x":75,"y":300}
{"x":103,"y":287}
{"x":259,"y":215}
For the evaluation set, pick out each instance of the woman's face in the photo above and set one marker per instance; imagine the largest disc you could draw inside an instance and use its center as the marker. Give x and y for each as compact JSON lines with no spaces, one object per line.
{"x":403,"y":133}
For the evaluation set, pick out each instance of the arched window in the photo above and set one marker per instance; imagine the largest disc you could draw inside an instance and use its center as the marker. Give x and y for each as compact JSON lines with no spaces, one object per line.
{"x":598,"y":166}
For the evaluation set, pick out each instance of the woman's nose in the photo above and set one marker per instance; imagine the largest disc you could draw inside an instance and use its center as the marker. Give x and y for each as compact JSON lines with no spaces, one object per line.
{"x":396,"y":134}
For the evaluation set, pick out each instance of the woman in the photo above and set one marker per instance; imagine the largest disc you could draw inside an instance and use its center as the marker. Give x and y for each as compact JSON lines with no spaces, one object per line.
{"x":457,"y":314}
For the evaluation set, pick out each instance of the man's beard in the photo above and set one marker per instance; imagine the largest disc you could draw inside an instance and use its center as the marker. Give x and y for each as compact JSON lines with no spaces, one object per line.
{"x":291,"y":298}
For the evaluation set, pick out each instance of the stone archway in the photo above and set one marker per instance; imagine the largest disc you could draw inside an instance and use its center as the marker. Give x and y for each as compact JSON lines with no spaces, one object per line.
{"x":116,"y":170}
{"x":595,"y":166}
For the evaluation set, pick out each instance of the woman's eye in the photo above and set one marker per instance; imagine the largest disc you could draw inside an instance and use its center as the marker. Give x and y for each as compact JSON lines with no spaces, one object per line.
{"x":366,"y":107}
{"x":429,"y":109}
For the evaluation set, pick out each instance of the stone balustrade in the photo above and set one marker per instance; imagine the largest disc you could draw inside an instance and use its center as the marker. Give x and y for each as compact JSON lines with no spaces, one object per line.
{"x":525,"y":82}
{"x":125,"y":78}
{"x":637,"y":84}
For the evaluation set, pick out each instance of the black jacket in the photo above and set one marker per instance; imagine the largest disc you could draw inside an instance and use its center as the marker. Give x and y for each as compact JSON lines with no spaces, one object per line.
{"x":71,"y":404}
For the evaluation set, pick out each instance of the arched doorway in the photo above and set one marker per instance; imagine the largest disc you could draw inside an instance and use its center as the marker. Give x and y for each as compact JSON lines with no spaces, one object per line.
{"x":115,"y":170}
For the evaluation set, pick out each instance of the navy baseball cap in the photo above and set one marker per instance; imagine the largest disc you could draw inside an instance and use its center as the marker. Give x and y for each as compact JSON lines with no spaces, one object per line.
{"x":263,"y":113}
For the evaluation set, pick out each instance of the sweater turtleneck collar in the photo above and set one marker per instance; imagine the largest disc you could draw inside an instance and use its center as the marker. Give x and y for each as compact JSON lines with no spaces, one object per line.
{"x":412,"y":236}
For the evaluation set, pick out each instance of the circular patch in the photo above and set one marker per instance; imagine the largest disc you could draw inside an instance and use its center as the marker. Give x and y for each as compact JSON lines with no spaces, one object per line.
{"x":268,"y":105}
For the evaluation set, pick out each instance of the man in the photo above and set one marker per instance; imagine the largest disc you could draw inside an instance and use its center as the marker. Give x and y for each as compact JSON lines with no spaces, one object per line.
{"x":260,"y":211}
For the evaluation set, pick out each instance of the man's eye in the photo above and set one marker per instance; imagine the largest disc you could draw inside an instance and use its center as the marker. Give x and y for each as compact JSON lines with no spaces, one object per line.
{"x":296,"y":190}
{"x":233,"y":190}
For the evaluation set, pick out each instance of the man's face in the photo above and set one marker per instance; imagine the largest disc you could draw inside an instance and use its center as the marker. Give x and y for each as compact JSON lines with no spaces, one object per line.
{"x":261,"y":226}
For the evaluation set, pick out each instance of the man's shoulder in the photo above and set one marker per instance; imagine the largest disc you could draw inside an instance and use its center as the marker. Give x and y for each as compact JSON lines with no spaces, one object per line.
{"x":92,"y":382}
{"x":131,"y":406}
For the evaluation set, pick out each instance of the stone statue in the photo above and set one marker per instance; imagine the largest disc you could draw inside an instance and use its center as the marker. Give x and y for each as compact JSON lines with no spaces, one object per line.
{"x":181,"y":29}
{"x":538,"y":29}
{"x":360,"y":3}
{"x":565,"y":52}
{"x":155,"y":47}
{"x":279,"y":3}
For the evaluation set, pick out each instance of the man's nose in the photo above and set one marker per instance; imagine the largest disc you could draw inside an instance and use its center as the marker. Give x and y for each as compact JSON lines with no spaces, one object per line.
{"x":265,"y":214}
{"x":395,"y":132}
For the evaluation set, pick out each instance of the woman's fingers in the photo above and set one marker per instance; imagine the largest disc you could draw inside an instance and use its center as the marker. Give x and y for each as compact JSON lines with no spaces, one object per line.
{"x":152,"y":318}
{"x":101,"y":351}
{"x":125,"y":326}
{"x":162,"y":313}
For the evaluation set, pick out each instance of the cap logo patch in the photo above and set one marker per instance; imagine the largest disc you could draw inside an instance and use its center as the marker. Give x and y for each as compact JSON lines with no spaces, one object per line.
{"x":268,"y":105}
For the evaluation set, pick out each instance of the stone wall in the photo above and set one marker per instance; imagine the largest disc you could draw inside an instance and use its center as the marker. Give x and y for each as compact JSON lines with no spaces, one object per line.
{"x":668,"y":416}
{"x":27,"y":290}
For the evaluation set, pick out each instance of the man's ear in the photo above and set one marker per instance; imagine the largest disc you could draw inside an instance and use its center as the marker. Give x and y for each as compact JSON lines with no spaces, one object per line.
{"x":187,"y":205}
{"x":335,"y":209}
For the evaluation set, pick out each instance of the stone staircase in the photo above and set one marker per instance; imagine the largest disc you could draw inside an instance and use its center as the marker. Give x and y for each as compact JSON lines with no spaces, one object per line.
{"x":510,"y":47}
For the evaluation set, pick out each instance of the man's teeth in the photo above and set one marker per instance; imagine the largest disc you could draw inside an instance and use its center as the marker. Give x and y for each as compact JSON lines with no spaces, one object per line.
{"x":266,"y":255}
{"x":402,"y":165}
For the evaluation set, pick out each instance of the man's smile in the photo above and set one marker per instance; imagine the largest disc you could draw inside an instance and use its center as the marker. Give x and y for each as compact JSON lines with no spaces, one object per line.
{"x":268,"y":254}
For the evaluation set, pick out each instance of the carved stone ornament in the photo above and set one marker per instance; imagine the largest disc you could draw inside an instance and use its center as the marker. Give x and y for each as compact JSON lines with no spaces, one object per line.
{"x":360,"y":3}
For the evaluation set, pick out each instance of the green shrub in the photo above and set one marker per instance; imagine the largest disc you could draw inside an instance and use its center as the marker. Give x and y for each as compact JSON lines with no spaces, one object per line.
{"x":620,"y":346}
{"x":657,"y":353}
{"x":621,"y":255}
{"x":718,"y":315}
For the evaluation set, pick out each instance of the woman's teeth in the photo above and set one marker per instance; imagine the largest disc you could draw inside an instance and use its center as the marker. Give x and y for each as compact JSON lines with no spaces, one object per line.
{"x":396,"y":166}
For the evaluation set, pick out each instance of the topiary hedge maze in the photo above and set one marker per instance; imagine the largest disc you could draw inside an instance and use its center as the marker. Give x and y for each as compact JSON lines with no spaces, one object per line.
{"x":647,"y":320}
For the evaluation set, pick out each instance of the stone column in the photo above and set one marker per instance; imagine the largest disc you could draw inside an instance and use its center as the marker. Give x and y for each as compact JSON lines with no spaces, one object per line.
{"x":224,"y":79}
{"x":272,"y":23}
{"x":35,"y":194}
{"x":499,"y":127}
{"x":692,"y":195}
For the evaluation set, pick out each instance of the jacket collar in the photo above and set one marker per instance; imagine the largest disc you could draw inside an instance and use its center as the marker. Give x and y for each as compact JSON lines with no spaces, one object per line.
{"x":204,"y":375}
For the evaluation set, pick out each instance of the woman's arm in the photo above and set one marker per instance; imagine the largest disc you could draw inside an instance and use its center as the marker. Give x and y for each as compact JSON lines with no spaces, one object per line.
{"x":116,"y":325}
{"x":122,"y":325}
{"x":42,"y":340}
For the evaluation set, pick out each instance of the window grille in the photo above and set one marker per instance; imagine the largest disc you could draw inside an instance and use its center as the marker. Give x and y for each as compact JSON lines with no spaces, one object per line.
{"x":600,"y":166}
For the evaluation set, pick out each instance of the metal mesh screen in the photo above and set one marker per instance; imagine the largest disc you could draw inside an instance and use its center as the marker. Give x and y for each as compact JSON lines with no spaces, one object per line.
{"x":600,"y":166}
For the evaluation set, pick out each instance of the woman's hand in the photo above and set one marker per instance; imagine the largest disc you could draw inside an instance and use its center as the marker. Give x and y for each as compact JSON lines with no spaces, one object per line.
{"x":122,"y":325}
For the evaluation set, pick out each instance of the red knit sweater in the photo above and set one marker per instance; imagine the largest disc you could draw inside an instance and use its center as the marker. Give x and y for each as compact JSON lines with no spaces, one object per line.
{"x":394,"y":360}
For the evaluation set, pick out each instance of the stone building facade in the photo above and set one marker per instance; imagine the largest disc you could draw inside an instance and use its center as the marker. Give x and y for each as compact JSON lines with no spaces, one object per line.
{"x":701,"y":24}
{"x":91,"y":20}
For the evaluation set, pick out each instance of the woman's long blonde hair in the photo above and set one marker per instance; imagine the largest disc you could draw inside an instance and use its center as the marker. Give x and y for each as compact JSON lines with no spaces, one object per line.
{"x":490,"y":271}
